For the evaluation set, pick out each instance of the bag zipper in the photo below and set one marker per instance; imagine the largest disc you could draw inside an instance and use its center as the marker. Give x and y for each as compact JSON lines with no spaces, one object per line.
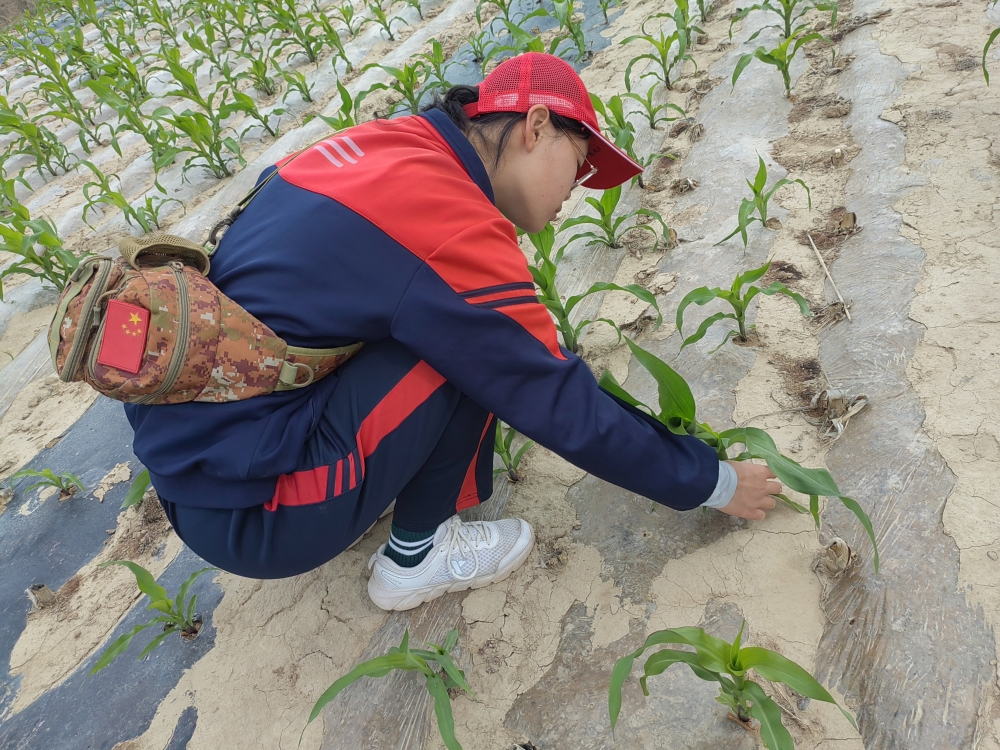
{"x":183,"y":333}
{"x":88,"y":322}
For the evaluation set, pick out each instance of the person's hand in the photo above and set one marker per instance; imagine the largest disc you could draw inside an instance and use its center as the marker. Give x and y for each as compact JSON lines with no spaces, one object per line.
{"x":754,"y":487}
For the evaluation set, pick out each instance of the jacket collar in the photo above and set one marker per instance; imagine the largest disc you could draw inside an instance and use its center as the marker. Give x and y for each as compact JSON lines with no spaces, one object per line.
{"x":462,"y":148}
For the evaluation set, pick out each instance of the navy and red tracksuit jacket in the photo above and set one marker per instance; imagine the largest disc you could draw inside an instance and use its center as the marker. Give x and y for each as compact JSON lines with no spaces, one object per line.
{"x":389,"y":229}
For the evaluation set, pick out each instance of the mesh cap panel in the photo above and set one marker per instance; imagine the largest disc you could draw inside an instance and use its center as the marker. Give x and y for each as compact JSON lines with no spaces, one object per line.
{"x":533,"y":78}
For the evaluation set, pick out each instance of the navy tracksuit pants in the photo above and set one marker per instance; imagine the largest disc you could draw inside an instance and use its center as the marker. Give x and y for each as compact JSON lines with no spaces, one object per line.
{"x":392,"y":429}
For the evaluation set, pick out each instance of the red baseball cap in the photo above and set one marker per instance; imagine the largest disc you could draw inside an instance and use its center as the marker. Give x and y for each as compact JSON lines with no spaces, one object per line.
{"x":519,"y":83}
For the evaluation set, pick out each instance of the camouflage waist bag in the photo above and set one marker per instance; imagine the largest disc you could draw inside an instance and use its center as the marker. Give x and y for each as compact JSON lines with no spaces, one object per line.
{"x":150,"y":328}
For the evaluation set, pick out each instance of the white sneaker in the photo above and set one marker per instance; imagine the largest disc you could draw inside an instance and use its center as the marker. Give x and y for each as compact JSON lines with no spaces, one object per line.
{"x":464,"y":556}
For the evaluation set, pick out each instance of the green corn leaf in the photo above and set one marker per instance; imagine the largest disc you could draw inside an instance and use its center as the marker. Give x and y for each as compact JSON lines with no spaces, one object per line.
{"x":760,"y":445}
{"x":608,"y":382}
{"x":442,"y":709}
{"x":742,"y":279}
{"x":856,"y":509}
{"x":776,"y":668}
{"x":189,"y":615}
{"x":151,"y":646}
{"x":182,"y":592}
{"x":144,"y":580}
{"x":734,"y":652}
{"x":675,"y":397}
{"x":365,"y":669}
{"x":778,"y":288}
{"x":700,"y":296}
{"x":705,"y":325}
{"x":117,"y":648}
{"x":760,"y":180}
{"x":791,"y":503}
{"x":989,"y":43}
{"x":659,"y":662}
{"x":452,"y":638}
{"x":136,"y":491}
{"x":767,"y":712}
{"x":634,"y":289}
{"x":743,"y":62}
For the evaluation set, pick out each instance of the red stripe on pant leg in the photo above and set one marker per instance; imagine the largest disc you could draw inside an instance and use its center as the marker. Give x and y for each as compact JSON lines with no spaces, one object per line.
{"x":399,"y":403}
{"x":300,"y":488}
{"x":354,"y":481}
{"x":469,"y":494}
{"x":338,"y":479}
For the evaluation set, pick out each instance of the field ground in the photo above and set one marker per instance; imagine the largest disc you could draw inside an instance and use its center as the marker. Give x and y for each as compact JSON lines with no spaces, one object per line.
{"x":897,"y":128}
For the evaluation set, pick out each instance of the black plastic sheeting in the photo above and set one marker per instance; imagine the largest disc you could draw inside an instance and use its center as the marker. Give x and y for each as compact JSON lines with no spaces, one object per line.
{"x":50,"y":546}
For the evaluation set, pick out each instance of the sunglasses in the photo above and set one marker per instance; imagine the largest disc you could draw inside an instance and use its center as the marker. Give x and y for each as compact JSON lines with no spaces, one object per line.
{"x":593,"y":170}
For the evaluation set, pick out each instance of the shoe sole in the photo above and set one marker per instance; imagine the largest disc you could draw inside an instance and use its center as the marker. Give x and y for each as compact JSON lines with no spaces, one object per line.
{"x":412,"y":599}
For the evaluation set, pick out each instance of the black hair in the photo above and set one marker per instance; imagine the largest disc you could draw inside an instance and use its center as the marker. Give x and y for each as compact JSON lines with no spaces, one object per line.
{"x":457,"y":97}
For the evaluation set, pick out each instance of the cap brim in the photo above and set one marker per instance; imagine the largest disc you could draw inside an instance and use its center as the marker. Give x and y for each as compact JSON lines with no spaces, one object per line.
{"x":613,"y":165}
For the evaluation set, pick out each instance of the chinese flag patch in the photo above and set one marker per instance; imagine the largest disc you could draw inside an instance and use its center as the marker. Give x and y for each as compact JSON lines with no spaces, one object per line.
{"x":124,"y":341}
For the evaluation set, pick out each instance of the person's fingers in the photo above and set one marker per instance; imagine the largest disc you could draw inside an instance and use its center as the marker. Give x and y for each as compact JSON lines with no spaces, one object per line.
{"x":773,"y":488}
{"x":756,"y":515}
{"x":767,"y":503}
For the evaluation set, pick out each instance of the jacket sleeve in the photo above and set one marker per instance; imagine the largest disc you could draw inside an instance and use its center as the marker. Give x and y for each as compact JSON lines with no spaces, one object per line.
{"x":498,"y":345}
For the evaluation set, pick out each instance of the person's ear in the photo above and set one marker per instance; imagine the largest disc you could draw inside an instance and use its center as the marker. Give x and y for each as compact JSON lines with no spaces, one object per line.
{"x":535,"y":122}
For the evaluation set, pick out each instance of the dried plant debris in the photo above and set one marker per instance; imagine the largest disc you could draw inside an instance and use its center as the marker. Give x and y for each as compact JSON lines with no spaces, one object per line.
{"x":783,"y":271}
{"x":845,"y":27}
{"x":40,"y":595}
{"x":830,"y":105}
{"x":696,"y":132}
{"x":680,"y":126}
{"x":683,"y":185}
{"x":836,"y":557}
{"x":830,"y":314}
{"x":840,"y":224}
{"x":837,"y":407}
{"x":802,"y":377}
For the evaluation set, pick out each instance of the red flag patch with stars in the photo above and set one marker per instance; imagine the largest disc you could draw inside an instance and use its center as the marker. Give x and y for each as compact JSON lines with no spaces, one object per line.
{"x":124,"y":343}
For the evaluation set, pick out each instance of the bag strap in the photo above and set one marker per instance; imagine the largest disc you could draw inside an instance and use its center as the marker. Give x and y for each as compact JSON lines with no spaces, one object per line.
{"x":227,"y":221}
{"x":314,"y":363}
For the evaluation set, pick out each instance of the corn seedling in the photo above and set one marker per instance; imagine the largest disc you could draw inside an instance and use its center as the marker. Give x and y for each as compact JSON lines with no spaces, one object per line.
{"x":716,"y":660}
{"x":704,"y":8}
{"x":328,"y":36}
{"x":563,"y":11}
{"x":989,"y":43}
{"x":31,"y":139}
{"x":653,"y":110}
{"x":677,"y":412}
{"x":296,"y":81}
{"x":415,"y":4}
{"x":67,"y":484}
{"x":100,"y":192}
{"x":759,"y":202}
{"x":36,"y":246}
{"x":781,"y":56}
{"x":346,"y":13}
{"x":622,"y":131}
{"x":788,"y":11}
{"x":738,"y":300}
{"x":501,"y":446}
{"x":682,"y":18}
{"x":202,"y":39}
{"x":607,"y":5}
{"x":137,"y":490}
{"x":521,"y":41}
{"x":348,"y":113}
{"x":543,"y":273}
{"x":55,"y":89}
{"x":163,"y":20}
{"x":380,"y":18}
{"x":259,"y":75}
{"x":668,"y":53}
{"x":295,"y":31}
{"x":611,"y":230}
{"x":436,"y":65}
{"x":405,"y":81}
{"x":482,"y":45}
{"x":176,"y":615}
{"x":504,"y":7}
{"x":161,"y":141}
{"x":435,"y":664}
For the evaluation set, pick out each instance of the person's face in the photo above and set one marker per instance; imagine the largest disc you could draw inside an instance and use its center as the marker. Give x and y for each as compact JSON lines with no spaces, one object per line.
{"x":537,"y":170}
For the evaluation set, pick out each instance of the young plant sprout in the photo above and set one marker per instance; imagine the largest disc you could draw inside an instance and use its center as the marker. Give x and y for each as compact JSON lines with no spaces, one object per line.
{"x":348,"y":113}
{"x":297,"y":31}
{"x":36,"y":246}
{"x":435,"y":664}
{"x":781,"y":56}
{"x":67,"y":484}
{"x":677,"y":412}
{"x":346,"y":13}
{"x":761,"y":197}
{"x":611,"y":230}
{"x":739,"y":301}
{"x":380,"y":18}
{"x":503,"y":6}
{"x":522,"y":41}
{"x":664,"y":54}
{"x":146,"y":216}
{"x":989,"y":43}
{"x":482,"y":45}
{"x":716,"y":660}
{"x":176,"y":615}
{"x":137,"y":490}
{"x":329,"y":37}
{"x":405,"y":81}
{"x":259,"y":74}
{"x":436,"y":64}
{"x":704,"y":8}
{"x":31,"y":139}
{"x":607,"y":5}
{"x":501,"y":446}
{"x":563,"y":11}
{"x":415,"y":4}
{"x":652,"y":110}
{"x":296,"y":81}
{"x":622,"y":131}
{"x":543,"y":272}
{"x":788,"y":11}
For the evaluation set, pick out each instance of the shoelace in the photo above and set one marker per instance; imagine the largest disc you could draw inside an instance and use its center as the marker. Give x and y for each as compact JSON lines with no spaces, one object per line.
{"x":462,"y":538}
